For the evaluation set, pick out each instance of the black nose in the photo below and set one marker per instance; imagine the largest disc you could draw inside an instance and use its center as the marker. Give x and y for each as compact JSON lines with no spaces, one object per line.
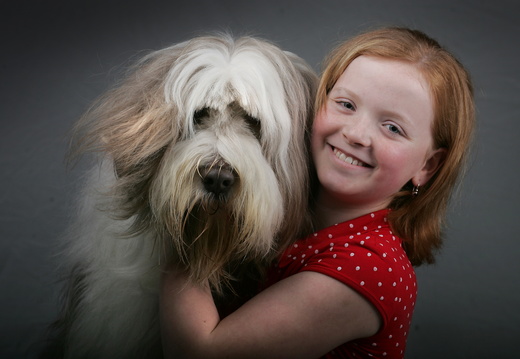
{"x":218,"y":180}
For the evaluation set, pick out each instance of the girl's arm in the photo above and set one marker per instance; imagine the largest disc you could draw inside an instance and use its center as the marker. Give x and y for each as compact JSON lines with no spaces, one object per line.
{"x":303,"y":316}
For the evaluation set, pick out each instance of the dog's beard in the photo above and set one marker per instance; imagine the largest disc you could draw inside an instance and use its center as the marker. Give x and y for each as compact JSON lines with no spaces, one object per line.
{"x":208,"y":230}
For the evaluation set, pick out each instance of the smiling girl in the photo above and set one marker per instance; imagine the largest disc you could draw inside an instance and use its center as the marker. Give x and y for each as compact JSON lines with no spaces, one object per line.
{"x":394,"y":120}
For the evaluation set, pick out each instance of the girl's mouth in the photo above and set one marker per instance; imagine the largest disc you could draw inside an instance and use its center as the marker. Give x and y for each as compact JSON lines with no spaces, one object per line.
{"x":348,"y":159}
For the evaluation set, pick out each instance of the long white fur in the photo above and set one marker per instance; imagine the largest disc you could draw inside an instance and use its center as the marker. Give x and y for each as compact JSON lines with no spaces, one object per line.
{"x":116,"y":271}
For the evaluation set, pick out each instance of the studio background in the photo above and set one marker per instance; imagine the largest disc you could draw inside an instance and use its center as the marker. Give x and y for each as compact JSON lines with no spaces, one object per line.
{"x":58,"y":56}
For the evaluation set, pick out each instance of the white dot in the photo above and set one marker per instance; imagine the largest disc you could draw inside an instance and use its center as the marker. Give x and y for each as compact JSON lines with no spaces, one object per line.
{"x":295,"y":245}
{"x":365,"y":228}
{"x":351,"y":225}
{"x":346,"y":245}
{"x":382,"y":298}
{"x":316,"y":251}
{"x":379,"y":284}
{"x":352,"y":254}
{"x":375,"y":269}
{"x":334,"y":256}
{"x":369,"y":254}
{"x":362,"y":283}
{"x":362,"y":242}
{"x":339,"y":268}
{"x":389,"y":269}
{"x":358,"y":268}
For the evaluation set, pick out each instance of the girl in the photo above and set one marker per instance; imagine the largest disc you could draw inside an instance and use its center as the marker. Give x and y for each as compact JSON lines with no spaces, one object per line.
{"x":394,"y":120}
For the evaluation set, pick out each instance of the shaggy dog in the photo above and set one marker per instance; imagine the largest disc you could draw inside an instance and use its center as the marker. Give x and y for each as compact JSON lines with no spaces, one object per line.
{"x":202,"y":160}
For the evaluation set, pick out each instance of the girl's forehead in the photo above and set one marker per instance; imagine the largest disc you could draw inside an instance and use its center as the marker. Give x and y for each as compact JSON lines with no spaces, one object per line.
{"x":383,"y":74}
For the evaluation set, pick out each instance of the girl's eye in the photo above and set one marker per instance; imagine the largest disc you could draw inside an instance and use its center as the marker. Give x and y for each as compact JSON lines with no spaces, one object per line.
{"x":393,"y":129}
{"x":347,"y":105}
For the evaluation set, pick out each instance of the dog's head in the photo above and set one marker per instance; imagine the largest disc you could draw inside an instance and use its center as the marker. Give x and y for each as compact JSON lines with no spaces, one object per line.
{"x":208,"y":140}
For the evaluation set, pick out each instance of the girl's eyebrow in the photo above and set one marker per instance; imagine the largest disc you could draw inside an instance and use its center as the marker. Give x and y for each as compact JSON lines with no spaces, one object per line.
{"x":339,"y":89}
{"x":342,"y":91}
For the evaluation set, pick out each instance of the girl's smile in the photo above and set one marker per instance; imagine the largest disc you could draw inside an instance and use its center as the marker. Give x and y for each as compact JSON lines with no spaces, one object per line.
{"x":348,"y":158}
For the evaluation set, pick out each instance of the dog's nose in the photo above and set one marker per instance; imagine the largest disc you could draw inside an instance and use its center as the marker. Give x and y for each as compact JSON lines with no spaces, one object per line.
{"x":218,"y":180}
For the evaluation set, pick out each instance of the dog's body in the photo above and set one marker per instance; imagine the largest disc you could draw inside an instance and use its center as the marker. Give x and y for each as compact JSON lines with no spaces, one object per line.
{"x":203,"y":162}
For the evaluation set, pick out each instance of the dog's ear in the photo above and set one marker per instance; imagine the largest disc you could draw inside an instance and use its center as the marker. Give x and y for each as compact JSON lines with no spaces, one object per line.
{"x":132,"y":123}
{"x":300,"y":86}
{"x":132,"y":126}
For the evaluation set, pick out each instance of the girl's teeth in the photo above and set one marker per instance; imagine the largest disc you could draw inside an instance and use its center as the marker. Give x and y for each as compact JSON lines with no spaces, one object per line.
{"x":347,"y":159}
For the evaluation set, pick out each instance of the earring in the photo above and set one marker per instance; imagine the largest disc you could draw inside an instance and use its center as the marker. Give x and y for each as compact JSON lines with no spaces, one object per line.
{"x":415,"y":190}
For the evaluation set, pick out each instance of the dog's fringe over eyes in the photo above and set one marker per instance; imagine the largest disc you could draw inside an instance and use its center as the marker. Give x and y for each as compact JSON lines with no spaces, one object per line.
{"x":202,"y":160}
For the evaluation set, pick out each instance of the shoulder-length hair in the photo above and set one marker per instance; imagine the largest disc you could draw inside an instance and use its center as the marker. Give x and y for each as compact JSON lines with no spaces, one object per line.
{"x":418,"y":220}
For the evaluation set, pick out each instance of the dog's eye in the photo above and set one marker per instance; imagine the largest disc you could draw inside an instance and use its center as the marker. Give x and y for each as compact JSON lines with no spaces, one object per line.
{"x":200,"y":114}
{"x":254,"y":125}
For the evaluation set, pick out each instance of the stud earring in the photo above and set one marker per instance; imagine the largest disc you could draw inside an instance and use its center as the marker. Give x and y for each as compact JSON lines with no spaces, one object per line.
{"x":415,"y":190}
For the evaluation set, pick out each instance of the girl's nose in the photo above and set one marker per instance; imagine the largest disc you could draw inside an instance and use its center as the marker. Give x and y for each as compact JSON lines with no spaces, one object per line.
{"x":357,"y":132}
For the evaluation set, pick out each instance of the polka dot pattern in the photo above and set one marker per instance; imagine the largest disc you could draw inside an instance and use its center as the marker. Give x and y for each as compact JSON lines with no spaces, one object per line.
{"x":365,"y":255}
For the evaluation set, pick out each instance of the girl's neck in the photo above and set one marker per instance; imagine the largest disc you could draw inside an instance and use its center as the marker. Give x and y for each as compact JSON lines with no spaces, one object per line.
{"x":330,"y":210}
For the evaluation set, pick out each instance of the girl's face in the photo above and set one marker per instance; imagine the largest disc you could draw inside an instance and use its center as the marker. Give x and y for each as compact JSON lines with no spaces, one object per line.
{"x":373,"y":133}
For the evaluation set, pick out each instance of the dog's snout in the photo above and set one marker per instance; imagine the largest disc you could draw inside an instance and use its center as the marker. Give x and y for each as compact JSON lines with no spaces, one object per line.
{"x":218,"y":180}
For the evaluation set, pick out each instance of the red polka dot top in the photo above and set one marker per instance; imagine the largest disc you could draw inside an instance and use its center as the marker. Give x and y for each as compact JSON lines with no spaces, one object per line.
{"x":365,"y":255}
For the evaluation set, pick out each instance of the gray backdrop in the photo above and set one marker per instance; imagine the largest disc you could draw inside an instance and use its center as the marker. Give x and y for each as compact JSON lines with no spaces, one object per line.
{"x":56,"y":57}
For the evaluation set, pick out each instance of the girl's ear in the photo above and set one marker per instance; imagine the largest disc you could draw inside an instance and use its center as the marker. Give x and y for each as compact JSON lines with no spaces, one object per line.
{"x":432,"y":164}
